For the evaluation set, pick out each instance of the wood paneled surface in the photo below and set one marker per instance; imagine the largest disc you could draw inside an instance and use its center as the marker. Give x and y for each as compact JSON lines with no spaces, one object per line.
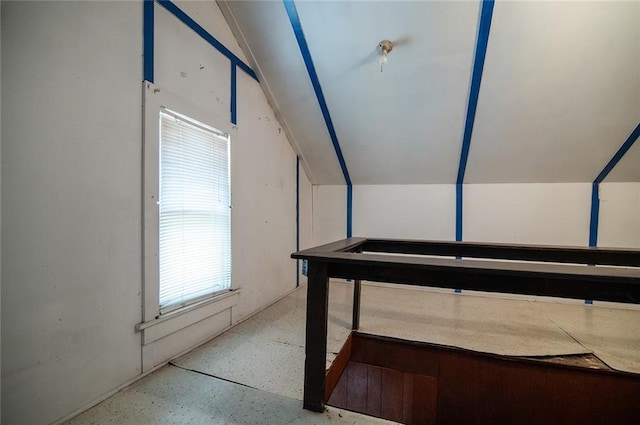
{"x":386,"y":393}
{"x":484,"y":390}
{"x":426,"y":384}
{"x":337,"y":367}
{"x":394,"y":354}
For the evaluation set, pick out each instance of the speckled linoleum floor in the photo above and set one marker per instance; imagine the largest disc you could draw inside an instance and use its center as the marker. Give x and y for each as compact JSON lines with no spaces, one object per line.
{"x":174,"y":396}
{"x":253,"y":374}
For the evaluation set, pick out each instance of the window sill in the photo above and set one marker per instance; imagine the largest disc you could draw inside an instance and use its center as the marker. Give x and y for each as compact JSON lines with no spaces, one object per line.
{"x":181,"y":318}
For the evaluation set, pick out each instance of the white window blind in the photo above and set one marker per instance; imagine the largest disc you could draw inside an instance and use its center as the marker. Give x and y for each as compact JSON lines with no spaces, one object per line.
{"x":195,"y":211}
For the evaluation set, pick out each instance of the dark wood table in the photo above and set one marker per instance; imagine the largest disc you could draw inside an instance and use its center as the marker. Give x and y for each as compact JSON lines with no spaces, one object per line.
{"x":559,"y":271}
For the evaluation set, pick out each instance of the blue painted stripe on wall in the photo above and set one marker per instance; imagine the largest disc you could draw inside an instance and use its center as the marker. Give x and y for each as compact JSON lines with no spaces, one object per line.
{"x":148,"y":40}
{"x":458,"y":212}
{"x":234,"y":89}
{"x":297,"y":218}
{"x":476,"y":78}
{"x":315,"y":82}
{"x":595,"y":214}
{"x":178,"y":13}
{"x":349,"y":210}
{"x":595,"y":191}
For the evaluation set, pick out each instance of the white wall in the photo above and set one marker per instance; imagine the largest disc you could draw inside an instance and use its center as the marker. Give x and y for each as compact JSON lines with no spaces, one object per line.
{"x":263,"y":164}
{"x":551,"y":214}
{"x":404,"y":211}
{"x":0,"y":209}
{"x":71,"y":204}
{"x":264,"y":204}
{"x":619,"y":224}
{"x":548,"y":214}
{"x":306,"y":216}
{"x":554,"y":214}
{"x":71,"y":193}
{"x":329,"y":213}
{"x":306,"y":210}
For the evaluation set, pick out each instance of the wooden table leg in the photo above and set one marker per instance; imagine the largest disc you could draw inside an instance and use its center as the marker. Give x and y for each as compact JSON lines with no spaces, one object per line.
{"x":316,"y":336}
{"x":355,"y":323}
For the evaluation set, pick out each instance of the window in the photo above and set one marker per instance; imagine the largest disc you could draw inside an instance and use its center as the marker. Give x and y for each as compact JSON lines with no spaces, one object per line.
{"x":187,"y":293}
{"x":194,"y":211}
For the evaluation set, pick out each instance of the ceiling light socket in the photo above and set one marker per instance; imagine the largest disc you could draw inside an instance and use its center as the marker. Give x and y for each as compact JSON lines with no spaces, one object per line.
{"x":385,"y":47}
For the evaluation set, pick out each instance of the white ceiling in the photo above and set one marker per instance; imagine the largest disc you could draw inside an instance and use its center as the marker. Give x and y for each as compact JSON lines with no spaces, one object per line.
{"x":560,"y":91}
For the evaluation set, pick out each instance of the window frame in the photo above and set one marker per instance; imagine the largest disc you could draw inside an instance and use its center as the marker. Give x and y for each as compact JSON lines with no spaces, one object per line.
{"x":156,"y":99}
{"x":223,"y":212}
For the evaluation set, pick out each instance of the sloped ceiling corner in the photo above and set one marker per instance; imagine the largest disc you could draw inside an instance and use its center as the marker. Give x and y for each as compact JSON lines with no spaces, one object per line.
{"x":560,"y":90}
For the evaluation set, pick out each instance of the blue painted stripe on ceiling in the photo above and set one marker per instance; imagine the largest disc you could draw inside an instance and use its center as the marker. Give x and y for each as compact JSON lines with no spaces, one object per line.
{"x":595,"y":191}
{"x":313,"y":76}
{"x":234,"y":90}
{"x":297,"y":218}
{"x":315,"y":82}
{"x":178,"y":13}
{"x":476,"y":78}
{"x":148,"y":40}
{"x":618,"y":156}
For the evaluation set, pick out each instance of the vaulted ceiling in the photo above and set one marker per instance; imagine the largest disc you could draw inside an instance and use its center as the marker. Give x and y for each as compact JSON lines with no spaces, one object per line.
{"x":559,"y":92}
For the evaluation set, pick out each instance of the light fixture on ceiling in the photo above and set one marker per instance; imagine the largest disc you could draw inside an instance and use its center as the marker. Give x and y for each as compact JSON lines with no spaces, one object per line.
{"x":384,"y":47}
